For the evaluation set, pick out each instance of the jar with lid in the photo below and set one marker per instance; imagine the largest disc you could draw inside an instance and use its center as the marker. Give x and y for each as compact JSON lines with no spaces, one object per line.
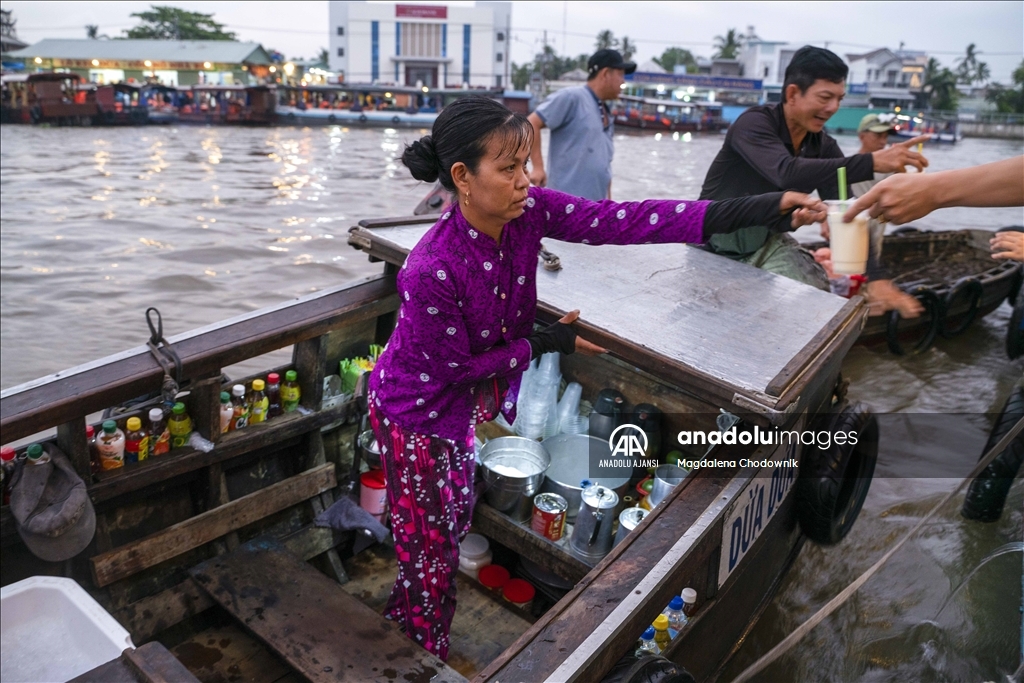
{"x":519,"y":592}
{"x":474,"y":553}
{"x":689,"y":596}
{"x":493,"y":577}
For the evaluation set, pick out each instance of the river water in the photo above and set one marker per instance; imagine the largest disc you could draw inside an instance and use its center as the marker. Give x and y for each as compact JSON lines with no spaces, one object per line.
{"x":207,"y":223}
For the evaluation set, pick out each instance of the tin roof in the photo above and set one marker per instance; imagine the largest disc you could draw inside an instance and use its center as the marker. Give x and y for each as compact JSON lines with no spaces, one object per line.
{"x":217,"y":51}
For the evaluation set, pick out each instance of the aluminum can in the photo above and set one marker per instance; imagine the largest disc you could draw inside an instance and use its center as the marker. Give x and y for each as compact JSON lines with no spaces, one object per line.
{"x":549,"y":515}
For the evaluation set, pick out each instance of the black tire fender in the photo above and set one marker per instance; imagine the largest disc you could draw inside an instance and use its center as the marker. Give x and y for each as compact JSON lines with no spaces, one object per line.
{"x":834,"y":481}
{"x":362,"y":118}
{"x":932,"y":306}
{"x":1018,"y":279}
{"x":35,"y":113}
{"x":969,"y":287}
{"x":987,"y":493}
{"x":1015,"y":331}
{"x":332,"y":118}
{"x":396,"y":120}
{"x":647,"y":669}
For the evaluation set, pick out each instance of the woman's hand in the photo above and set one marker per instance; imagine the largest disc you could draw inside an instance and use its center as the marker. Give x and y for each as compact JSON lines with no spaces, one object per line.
{"x":582,"y":345}
{"x":806,"y":209}
{"x":1008,"y":245}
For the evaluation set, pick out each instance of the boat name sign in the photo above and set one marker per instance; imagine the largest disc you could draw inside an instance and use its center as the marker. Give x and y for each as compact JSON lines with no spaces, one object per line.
{"x":753,"y":509}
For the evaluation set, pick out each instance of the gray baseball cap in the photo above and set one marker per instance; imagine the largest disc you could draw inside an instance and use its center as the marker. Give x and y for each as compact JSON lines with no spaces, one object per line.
{"x":51,"y":508}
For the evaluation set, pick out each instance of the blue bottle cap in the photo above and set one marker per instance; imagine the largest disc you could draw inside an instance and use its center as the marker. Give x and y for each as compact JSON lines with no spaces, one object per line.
{"x":648,"y":634}
{"x":585,"y":483}
{"x":676,"y":603}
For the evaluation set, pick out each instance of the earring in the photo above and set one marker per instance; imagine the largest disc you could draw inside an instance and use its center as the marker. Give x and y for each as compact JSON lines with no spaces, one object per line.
{"x":467,"y":199}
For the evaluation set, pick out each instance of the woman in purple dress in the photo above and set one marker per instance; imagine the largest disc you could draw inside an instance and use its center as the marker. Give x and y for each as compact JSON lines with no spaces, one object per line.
{"x":465,"y":329}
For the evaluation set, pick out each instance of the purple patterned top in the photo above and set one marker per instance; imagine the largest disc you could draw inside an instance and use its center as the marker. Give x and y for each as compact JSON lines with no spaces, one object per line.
{"x":469,"y":302}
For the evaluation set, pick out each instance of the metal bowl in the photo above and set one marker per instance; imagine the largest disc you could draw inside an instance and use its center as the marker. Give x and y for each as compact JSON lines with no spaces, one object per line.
{"x":369,"y":450}
{"x":570,"y":465}
{"x":513,"y":469}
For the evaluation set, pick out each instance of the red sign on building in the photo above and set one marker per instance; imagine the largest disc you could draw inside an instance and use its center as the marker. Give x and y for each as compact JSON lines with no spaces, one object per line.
{"x":422,"y":11}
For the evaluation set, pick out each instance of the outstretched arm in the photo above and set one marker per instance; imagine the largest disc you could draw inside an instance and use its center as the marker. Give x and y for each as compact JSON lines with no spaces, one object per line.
{"x":538,"y":176}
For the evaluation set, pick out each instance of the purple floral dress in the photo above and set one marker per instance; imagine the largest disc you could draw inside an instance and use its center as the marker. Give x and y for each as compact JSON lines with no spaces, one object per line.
{"x":456,"y":358}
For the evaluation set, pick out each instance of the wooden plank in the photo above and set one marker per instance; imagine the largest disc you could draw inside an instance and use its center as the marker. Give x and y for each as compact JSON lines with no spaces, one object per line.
{"x":227,"y":653}
{"x":310,"y":359}
{"x":205,"y":407}
{"x":273,"y":434}
{"x":115,"y":671}
{"x":35,"y":406}
{"x":149,"y":616}
{"x":192,"y":533}
{"x":154,"y":664}
{"x":71,"y":440}
{"x":306,"y":618}
{"x":551,"y":556}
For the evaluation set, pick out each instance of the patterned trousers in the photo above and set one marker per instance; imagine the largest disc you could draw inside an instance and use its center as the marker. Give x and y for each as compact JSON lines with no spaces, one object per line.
{"x":430,"y":495}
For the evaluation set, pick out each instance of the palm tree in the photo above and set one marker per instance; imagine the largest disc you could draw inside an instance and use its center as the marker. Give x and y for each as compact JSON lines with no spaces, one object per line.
{"x":726,"y":47}
{"x":627,"y":48}
{"x":967,"y":66}
{"x":606,"y":40}
{"x":981,"y":73}
{"x":941,"y":90}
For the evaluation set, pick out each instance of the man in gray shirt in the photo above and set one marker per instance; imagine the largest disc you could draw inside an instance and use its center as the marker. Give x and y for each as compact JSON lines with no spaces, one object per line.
{"x":580,"y":153}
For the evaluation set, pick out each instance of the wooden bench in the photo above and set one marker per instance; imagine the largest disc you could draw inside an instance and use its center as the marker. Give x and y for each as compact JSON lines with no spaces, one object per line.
{"x":311,"y":622}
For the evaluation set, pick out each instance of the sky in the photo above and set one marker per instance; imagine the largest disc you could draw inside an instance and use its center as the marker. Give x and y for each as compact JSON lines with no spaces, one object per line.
{"x":299,"y":28}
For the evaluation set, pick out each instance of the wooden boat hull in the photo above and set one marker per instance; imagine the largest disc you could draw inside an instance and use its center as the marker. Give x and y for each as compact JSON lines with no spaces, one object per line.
{"x":668,"y":125}
{"x":345,"y":117}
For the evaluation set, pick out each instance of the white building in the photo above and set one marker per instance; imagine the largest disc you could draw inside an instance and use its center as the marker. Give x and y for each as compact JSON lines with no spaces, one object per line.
{"x":433,"y":46}
{"x":885,"y":78}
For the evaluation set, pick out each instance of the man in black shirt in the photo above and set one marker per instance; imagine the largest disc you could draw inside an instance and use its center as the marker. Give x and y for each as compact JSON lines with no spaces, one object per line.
{"x":783,"y":146}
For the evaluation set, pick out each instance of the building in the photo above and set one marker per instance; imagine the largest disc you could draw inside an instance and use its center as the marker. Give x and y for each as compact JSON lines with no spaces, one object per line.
{"x":767,"y":61}
{"x":885,"y":78}
{"x":720,"y":66}
{"x":171,"y":62}
{"x":8,"y":35}
{"x":432,"y":46}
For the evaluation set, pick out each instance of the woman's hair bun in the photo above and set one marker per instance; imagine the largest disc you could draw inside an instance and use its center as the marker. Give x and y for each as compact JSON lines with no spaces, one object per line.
{"x":421,"y":159}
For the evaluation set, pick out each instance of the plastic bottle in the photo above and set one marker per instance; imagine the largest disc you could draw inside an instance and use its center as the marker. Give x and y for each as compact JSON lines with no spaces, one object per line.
{"x":676,"y":618}
{"x":240,"y":417}
{"x":179,"y":425}
{"x":290,"y":392}
{"x":7,"y":456}
{"x":159,"y":435}
{"x":110,"y":445}
{"x":689,"y":596}
{"x":90,"y":441}
{"x":258,"y":402}
{"x":36,"y":455}
{"x":136,"y":444}
{"x":274,"y":395}
{"x":227,"y":411}
{"x":661,"y":635}
{"x":647,"y":645}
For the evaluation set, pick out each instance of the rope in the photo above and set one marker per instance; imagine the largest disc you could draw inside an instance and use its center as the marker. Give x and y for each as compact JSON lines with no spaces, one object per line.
{"x":833,"y":604}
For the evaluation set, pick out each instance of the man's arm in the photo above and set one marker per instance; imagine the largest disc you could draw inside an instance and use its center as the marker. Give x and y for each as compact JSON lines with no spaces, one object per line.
{"x":538,"y":176}
{"x":906,"y":197}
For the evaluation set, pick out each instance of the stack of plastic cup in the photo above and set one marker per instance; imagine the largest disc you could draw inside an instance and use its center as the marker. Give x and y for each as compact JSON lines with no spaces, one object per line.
{"x":537,"y":412}
{"x":569,"y":406}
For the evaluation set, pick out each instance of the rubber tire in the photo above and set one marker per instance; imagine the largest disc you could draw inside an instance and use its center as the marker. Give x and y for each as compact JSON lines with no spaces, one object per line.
{"x":396,"y":120}
{"x":986,"y":494}
{"x":1015,"y":288}
{"x":647,"y":669}
{"x":975,"y":291}
{"x":908,"y":230}
{"x":933,"y":305}
{"x":834,"y":481}
{"x":362,"y":118}
{"x":331,"y":118}
{"x":1015,"y":331}
{"x":35,"y":113}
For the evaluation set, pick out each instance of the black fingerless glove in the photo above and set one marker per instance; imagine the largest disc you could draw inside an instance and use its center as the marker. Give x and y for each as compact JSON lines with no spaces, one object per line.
{"x":558,"y":337}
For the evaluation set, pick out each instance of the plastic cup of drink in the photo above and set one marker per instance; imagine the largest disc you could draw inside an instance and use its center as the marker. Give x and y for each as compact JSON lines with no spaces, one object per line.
{"x":848,"y":241}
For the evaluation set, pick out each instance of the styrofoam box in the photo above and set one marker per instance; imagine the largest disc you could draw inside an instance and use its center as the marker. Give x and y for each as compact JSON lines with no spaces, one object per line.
{"x":52,"y":630}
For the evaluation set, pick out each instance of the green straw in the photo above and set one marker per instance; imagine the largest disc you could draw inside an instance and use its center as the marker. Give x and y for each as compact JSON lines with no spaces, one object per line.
{"x":841,"y":171}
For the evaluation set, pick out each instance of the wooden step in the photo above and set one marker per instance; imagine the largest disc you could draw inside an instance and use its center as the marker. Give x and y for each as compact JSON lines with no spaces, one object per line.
{"x":311,"y":622}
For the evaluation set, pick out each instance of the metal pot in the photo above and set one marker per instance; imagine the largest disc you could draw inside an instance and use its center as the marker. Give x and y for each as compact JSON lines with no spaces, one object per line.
{"x":513,"y":469}
{"x":629,"y":519}
{"x":666,"y":478}
{"x":592,"y":537}
{"x":570,"y":465}
{"x":369,"y":450}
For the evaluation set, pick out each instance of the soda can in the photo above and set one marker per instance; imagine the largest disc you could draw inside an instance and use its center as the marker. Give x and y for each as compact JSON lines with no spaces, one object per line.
{"x":549,"y":515}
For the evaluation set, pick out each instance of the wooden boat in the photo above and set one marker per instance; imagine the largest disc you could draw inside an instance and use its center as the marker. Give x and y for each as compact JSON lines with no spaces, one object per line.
{"x":162,"y":102}
{"x":953,"y":274}
{"x":668,"y":115}
{"x":212,"y":556}
{"x":120,"y":104}
{"x":227,"y":104}
{"x":49,"y":97}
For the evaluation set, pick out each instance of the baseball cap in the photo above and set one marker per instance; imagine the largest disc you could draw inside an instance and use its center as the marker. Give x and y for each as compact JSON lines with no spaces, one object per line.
{"x":872,"y":123}
{"x":51,"y":508}
{"x":608,"y":58}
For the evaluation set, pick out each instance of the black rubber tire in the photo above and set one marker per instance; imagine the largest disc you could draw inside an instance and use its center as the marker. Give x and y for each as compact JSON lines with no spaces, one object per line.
{"x":1015,"y":287}
{"x":932,"y":306}
{"x":986,"y":495}
{"x":970,"y":287}
{"x":834,"y":481}
{"x":35,"y":113}
{"x":1015,"y":331}
{"x":362,"y":118}
{"x":908,"y":230}
{"x":396,"y":120}
{"x":647,"y":669}
{"x":331,"y":118}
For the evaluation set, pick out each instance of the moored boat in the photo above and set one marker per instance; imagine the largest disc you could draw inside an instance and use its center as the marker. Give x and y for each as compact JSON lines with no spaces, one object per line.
{"x":204,"y":550}
{"x":49,"y":97}
{"x":668,"y":115}
{"x":227,"y":104}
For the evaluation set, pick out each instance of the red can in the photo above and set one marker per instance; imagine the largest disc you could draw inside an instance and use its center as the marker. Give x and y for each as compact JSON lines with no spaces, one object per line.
{"x":549,"y":515}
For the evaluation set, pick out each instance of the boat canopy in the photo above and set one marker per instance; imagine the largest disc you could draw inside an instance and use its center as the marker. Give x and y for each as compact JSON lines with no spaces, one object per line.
{"x":633,"y":99}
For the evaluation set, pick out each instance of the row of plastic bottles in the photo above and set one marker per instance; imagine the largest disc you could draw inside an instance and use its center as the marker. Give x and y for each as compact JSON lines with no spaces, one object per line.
{"x":668,"y":624}
{"x":266,"y":400}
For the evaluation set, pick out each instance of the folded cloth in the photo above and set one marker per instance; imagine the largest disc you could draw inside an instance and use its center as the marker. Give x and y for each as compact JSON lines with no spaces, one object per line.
{"x":346,"y":515}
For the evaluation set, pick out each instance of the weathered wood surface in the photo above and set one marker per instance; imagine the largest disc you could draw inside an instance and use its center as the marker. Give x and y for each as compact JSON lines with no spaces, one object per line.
{"x":555,"y":558}
{"x":311,"y":622}
{"x":68,"y":395}
{"x":675,"y":311}
{"x":223,"y":654}
{"x":192,"y":533}
{"x":150,"y":663}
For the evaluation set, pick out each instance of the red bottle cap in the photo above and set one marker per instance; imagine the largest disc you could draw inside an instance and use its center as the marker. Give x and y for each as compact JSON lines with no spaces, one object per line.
{"x":90,"y":431}
{"x":519,"y":591}
{"x":493,"y":576}
{"x":374,"y":479}
{"x":273,"y":378}
{"x":7,"y":454}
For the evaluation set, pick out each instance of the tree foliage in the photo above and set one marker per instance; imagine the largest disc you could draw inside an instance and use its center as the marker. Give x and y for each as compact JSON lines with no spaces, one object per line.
{"x":676,"y":56}
{"x":940,"y":86}
{"x":627,"y":47}
{"x":161,"y":22}
{"x":727,"y":46}
{"x":969,"y":70}
{"x":1009,"y":100}
{"x":606,"y":40}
